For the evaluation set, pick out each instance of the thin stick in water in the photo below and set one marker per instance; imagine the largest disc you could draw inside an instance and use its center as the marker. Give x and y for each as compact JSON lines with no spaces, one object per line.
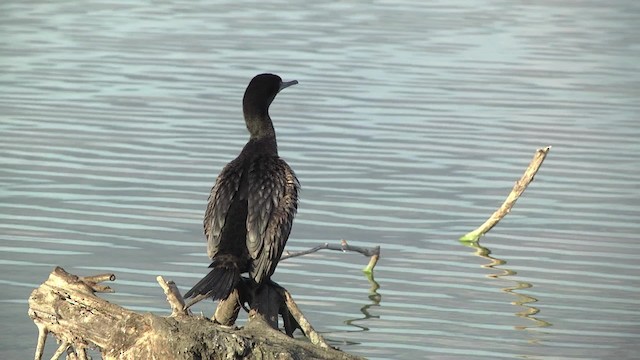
{"x":519,"y":188}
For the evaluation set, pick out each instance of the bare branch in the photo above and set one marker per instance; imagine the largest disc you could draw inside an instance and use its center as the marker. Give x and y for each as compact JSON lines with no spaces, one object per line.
{"x":372,"y":262}
{"x":94,"y":282}
{"x":373,"y":253}
{"x":519,"y":188}
{"x":228,"y":309}
{"x":98,"y":278}
{"x":82,"y":353}
{"x":305,"y":325}
{"x":61,"y":350}
{"x":174,"y":298}
{"x":42,"y":339}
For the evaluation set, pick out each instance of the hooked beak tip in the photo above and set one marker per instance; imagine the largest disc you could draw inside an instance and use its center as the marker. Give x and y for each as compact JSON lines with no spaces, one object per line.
{"x":286,"y":84}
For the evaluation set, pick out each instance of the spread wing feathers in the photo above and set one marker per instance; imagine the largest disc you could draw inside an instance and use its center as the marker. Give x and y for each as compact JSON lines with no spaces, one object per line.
{"x":272,"y":204}
{"x":220,"y":200}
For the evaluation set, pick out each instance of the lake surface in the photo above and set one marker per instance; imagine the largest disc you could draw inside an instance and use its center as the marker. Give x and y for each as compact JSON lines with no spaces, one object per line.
{"x":411,"y":122}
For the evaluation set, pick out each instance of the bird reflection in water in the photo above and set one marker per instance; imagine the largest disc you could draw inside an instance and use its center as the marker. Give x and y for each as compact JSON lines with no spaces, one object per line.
{"x":525,"y":301}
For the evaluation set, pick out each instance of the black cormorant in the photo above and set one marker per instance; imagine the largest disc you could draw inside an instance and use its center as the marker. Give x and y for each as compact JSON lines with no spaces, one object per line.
{"x":252,"y":204}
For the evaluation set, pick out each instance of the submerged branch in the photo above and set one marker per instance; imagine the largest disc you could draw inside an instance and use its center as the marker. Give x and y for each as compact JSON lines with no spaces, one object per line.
{"x":372,"y":253}
{"x":519,"y":188}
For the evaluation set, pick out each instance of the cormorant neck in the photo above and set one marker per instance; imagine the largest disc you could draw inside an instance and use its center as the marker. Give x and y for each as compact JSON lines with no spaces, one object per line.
{"x":265,"y":145}
{"x":260,"y":126}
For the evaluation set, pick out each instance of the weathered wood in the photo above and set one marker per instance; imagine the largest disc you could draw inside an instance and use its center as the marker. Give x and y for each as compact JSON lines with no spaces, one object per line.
{"x":66,"y":307}
{"x":518,"y":188}
{"x":174,"y":298}
{"x":302,"y":322}
{"x":228,"y":309}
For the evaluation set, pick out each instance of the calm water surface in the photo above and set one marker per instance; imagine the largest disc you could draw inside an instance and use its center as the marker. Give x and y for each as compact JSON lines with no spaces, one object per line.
{"x":411,"y":122}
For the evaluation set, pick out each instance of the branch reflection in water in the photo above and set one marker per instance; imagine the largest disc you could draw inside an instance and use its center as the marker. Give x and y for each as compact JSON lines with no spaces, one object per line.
{"x":374,"y":299}
{"x":522,"y":300}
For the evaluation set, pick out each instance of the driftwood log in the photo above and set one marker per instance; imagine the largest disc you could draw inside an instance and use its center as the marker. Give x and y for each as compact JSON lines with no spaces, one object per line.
{"x":66,"y":306}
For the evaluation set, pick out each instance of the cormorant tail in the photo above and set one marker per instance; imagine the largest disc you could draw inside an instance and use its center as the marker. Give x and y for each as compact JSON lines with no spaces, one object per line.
{"x":218,"y":283}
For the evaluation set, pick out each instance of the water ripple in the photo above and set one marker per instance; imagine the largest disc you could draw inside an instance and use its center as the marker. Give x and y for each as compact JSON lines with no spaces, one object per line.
{"x":411,"y":122}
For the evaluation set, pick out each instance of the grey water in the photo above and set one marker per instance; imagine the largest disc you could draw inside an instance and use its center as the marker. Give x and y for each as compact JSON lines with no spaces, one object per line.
{"x":411,"y":122}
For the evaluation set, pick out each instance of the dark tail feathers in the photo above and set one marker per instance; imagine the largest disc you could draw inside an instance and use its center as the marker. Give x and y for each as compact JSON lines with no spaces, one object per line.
{"x":218,"y":283}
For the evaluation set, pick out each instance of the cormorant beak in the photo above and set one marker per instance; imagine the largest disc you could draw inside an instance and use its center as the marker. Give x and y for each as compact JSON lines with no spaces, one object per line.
{"x":286,"y":84}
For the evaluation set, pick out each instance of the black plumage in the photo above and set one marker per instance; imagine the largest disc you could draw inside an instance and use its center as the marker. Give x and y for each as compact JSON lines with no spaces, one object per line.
{"x":253,"y":202}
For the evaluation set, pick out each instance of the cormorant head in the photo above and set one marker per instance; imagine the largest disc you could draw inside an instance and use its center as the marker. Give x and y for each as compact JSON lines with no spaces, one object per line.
{"x":260,"y":93}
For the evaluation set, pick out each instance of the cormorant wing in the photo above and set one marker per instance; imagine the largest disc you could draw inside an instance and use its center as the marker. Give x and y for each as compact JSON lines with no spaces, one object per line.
{"x":220,"y":200}
{"x":272,"y":204}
